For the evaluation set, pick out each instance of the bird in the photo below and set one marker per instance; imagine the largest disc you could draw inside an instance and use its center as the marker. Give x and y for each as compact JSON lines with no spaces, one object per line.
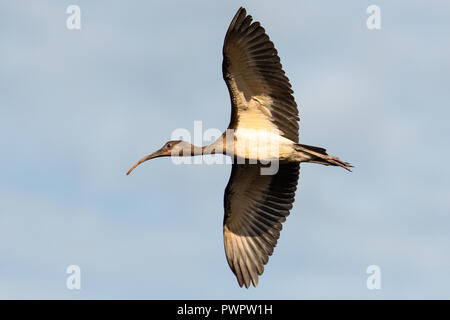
{"x":263,"y":113}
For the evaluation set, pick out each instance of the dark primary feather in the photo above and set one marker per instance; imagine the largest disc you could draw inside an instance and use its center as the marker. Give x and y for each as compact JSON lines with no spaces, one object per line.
{"x":255,"y":207}
{"x":252,"y":69}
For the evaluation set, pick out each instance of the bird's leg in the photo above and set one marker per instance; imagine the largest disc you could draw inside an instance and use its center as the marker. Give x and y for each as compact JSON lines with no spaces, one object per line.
{"x":319,"y":155}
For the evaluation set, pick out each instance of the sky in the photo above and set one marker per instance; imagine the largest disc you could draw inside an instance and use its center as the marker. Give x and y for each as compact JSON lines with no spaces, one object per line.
{"x":79,"y":107}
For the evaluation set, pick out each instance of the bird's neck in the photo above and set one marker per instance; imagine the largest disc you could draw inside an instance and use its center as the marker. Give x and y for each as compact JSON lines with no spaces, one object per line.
{"x":213,"y":148}
{"x":198,"y":151}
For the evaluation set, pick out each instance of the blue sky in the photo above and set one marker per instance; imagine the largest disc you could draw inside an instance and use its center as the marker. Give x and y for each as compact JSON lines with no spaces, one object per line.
{"x":78,"y":108}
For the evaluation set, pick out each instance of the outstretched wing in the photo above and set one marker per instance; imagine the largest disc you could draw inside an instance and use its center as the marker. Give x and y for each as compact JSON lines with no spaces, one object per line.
{"x":255,"y":207}
{"x":261,"y":95}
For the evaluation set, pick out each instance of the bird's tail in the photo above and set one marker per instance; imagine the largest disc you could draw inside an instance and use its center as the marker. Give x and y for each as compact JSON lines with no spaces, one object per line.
{"x":319,"y":155}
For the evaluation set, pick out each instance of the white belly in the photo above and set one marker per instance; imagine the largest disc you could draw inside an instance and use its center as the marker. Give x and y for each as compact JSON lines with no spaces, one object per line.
{"x":261,"y":145}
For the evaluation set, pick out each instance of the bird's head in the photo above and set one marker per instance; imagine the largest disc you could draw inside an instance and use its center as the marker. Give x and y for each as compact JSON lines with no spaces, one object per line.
{"x":176,"y":148}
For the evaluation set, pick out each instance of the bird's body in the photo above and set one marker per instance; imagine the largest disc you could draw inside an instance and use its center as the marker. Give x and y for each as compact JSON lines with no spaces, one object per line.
{"x":263,"y":145}
{"x":251,"y":144}
{"x":263,"y":128}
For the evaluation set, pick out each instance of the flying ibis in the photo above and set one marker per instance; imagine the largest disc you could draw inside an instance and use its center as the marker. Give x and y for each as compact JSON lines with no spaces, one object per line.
{"x":263,"y":112}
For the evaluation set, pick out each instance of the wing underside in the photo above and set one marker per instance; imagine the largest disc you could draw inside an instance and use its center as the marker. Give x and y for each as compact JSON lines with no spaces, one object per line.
{"x":255,"y":207}
{"x":260,"y":92}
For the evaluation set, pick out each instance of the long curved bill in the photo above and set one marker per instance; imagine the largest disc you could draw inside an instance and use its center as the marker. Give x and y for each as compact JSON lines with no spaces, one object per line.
{"x":156,"y":154}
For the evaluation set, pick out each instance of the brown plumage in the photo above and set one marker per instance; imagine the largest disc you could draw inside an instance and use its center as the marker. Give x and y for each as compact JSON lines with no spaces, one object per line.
{"x":255,"y":207}
{"x":252,"y":69}
{"x":263,"y":112}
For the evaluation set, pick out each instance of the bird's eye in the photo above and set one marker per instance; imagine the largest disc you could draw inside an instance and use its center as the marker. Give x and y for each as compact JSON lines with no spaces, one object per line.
{"x":168,"y":145}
